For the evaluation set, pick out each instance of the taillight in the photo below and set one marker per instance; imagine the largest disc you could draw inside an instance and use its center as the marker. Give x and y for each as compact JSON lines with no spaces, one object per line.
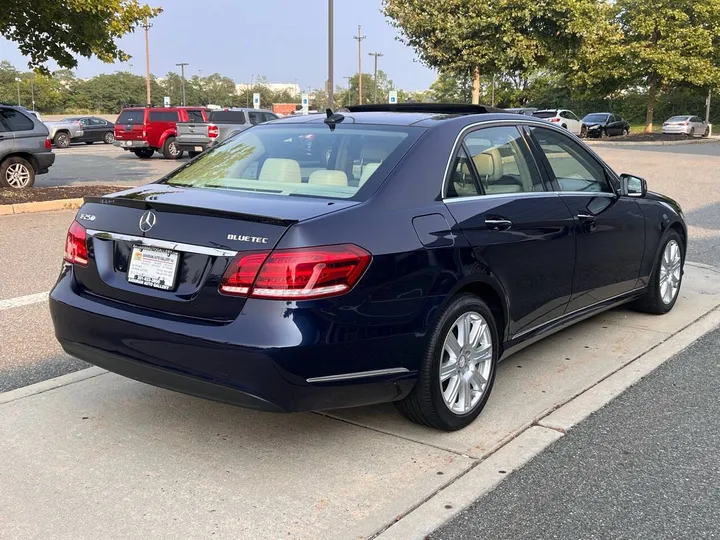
{"x":296,"y":274}
{"x":76,"y":245}
{"x":554,"y":119}
{"x":48,"y":144}
{"x":685,"y":124}
{"x":213,"y":131}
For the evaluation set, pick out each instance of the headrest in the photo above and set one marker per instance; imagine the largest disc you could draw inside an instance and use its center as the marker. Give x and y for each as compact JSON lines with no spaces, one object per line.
{"x":489,"y":165}
{"x":281,"y":170}
{"x":367,"y":171}
{"x":328,"y":178}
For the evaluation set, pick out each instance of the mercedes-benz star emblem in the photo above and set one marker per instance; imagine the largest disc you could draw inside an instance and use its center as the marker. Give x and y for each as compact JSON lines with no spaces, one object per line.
{"x":147,"y":221}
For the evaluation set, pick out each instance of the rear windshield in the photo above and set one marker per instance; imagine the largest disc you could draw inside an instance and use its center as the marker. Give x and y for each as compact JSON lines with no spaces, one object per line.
{"x":545,"y":114}
{"x":679,"y":119}
{"x":298,"y":159}
{"x":595,"y":118}
{"x":131,"y":117}
{"x":227,"y":117}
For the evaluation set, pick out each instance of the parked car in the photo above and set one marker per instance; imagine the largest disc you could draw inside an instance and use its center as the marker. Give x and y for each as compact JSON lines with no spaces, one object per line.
{"x":94,"y":129}
{"x":523,"y":110}
{"x":432,"y":241}
{"x":63,"y":133}
{"x":147,"y":130}
{"x":605,"y":125}
{"x":196,"y":137}
{"x":690,"y":126}
{"x":563,"y":118}
{"x":25,"y":149}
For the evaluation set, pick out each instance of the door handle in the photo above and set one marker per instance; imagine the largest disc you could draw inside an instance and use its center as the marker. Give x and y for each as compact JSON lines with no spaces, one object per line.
{"x":498,"y":224}
{"x":586,"y":218}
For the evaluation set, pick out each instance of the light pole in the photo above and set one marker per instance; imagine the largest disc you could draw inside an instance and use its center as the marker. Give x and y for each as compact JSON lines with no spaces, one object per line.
{"x":375,"y":54}
{"x":359,"y":38}
{"x":32,"y":91}
{"x":182,"y":79}
{"x":17,"y":80}
{"x":249,"y":89}
{"x":348,"y":80}
{"x":330,"y":55}
{"x":147,"y":27}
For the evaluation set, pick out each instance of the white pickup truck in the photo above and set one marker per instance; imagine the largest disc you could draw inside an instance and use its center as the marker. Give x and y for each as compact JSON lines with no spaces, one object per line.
{"x":196,"y":137}
{"x":62,"y":133}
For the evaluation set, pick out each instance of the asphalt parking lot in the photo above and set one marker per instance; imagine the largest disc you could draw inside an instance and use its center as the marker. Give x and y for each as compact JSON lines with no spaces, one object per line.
{"x":166,"y":465}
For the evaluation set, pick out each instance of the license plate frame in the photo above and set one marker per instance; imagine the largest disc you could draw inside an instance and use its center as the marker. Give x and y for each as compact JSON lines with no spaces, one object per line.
{"x":153,"y":267}
{"x":198,"y":148}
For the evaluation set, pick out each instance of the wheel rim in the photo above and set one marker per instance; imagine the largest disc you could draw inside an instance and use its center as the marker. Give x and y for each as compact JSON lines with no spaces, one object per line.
{"x":17,"y":176}
{"x":109,"y":138}
{"x":62,"y":140}
{"x":172,"y":149}
{"x":466,"y":362}
{"x":670,"y":274}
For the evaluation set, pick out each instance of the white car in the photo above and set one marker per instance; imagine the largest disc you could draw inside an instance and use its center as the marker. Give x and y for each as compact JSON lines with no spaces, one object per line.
{"x":564,"y":118}
{"x":691,"y":126}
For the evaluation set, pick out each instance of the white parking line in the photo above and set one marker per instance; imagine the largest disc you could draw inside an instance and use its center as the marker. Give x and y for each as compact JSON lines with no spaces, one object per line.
{"x":20,"y":301}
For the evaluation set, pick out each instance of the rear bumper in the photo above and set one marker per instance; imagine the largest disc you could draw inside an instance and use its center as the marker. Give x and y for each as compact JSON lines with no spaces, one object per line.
{"x":225,"y":362}
{"x":680,"y":130}
{"x":130,"y":145}
{"x":44,"y":161}
{"x":189,"y":146}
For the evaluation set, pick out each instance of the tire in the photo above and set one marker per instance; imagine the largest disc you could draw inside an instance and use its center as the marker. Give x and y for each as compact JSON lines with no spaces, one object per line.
{"x":16,"y":173}
{"x":169,"y":150}
{"x":89,"y":142}
{"x":626,"y":132}
{"x":654,"y":301}
{"x":692,"y":133}
{"x":61,"y":139}
{"x":144,"y":153}
{"x":109,"y":137}
{"x":583,"y":132}
{"x":707,"y":133}
{"x":427,"y":403}
{"x":564,"y":126}
{"x":194,"y":154}
{"x":604,"y":134}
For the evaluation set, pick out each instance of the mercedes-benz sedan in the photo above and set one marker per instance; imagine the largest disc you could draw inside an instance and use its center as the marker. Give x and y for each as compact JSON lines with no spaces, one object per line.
{"x":385,"y":253}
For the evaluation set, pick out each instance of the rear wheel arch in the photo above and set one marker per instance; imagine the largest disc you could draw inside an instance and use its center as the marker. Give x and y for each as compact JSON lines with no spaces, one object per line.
{"x":494,"y":300}
{"x":677,"y":227}
{"x":30,"y":158}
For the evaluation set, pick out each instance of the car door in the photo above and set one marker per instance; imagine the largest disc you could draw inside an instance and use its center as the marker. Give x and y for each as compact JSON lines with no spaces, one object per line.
{"x":98,"y":127}
{"x":519,"y":231}
{"x":7,"y":137}
{"x":611,"y":127}
{"x":609,"y":229}
{"x":575,"y":124}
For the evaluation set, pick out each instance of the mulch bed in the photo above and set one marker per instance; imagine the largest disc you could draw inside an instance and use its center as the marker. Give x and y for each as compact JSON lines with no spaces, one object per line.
{"x":16,"y":196}
{"x":644,"y":137}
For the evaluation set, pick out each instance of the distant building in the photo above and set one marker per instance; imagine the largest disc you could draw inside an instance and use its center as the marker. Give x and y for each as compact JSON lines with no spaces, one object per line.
{"x":292,"y":88}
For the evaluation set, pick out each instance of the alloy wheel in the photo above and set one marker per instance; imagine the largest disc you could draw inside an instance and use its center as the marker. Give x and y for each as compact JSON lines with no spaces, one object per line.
{"x":17,"y":176}
{"x":466,"y":362}
{"x":670,"y":272}
{"x":172,"y":148}
{"x":109,"y":138}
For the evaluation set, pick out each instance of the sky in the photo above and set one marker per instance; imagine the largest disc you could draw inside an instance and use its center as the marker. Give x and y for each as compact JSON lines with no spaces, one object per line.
{"x":283,"y":40}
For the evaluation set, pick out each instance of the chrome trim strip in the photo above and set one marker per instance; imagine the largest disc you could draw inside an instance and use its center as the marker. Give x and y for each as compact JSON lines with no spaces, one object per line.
{"x":529,"y":194}
{"x":588,"y":307}
{"x":163,"y":244}
{"x":359,"y":375}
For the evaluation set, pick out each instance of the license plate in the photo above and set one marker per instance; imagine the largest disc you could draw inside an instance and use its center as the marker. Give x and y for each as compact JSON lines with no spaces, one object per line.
{"x":198,"y":148}
{"x":153,"y":267}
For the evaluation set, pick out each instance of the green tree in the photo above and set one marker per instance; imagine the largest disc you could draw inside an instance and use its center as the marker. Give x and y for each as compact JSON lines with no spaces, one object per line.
{"x":474,"y":38}
{"x":449,"y":88}
{"x":659,"y":45}
{"x":47,"y":29}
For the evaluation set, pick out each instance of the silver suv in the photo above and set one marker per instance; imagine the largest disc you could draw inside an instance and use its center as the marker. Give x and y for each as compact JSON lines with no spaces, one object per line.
{"x":25,"y":150}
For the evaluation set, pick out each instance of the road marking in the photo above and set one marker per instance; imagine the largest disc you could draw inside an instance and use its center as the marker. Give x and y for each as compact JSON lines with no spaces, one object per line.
{"x":20,"y":301}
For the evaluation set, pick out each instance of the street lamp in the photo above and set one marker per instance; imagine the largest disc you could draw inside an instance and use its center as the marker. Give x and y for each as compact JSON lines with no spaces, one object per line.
{"x":182,"y":78}
{"x":249,"y":89}
{"x":375,"y":54}
{"x":17,"y":80}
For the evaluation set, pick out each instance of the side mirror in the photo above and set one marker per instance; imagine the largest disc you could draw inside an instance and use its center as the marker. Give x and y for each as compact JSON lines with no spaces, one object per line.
{"x":632,"y":186}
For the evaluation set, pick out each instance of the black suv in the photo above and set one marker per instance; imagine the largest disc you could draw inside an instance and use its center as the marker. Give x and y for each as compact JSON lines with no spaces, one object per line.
{"x":25,"y":150}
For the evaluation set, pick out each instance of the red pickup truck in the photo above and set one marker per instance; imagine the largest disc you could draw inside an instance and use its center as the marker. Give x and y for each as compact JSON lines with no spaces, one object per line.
{"x":146,"y":130}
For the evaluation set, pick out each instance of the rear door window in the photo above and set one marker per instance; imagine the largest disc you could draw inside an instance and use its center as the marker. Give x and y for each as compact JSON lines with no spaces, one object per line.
{"x":269,"y":116}
{"x":195,"y":115}
{"x":227,"y":117}
{"x":16,"y":121}
{"x":256,"y":118}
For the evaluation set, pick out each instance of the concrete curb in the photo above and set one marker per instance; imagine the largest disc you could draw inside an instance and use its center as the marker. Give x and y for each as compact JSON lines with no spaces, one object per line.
{"x":50,"y":384}
{"x":42,"y":206}
{"x":484,"y":477}
{"x":650,"y":143}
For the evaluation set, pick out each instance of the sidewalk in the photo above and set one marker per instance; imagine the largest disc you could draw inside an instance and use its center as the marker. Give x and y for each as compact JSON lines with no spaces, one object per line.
{"x":107,"y":457}
{"x":645,"y":466}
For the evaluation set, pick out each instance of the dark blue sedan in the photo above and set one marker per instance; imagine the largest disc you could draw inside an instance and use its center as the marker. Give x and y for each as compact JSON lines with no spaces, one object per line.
{"x":382,"y":253}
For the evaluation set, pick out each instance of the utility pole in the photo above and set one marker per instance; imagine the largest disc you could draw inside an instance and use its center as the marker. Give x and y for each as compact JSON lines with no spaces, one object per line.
{"x":348,"y":80}
{"x":492,"y":99}
{"x":147,"y":26}
{"x":32,"y":91}
{"x":359,"y":38}
{"x":182,"y":79}
{"x":375,"y":54}
{"x":707,"y":107}
{"x":247,"y":94}
{"x":17,"y":80}
{"x":330,"y":56}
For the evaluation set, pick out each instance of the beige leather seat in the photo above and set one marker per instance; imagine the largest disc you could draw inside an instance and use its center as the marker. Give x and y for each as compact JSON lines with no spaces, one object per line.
{"x":281,"y":170}
{"x":367,"y":171}
{"x":329,"y":178}
{"x":489,"y":166}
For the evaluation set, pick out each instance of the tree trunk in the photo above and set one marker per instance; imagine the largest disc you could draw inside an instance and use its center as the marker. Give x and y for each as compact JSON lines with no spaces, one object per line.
{"x":476,"y":87}
{"x":651,"y":106}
